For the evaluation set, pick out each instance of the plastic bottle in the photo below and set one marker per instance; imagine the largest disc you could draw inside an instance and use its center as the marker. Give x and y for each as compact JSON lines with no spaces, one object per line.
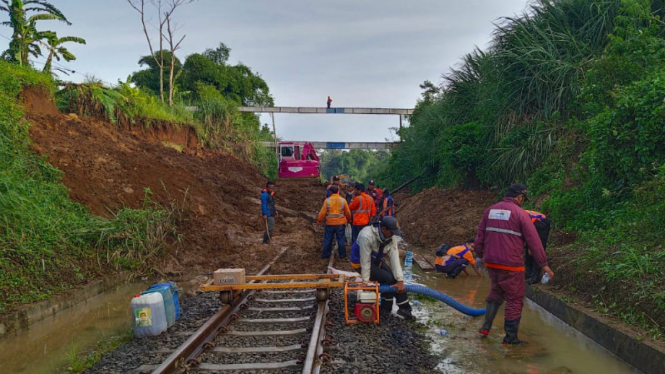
{"x":443,"y":332}
{"x":174,"y":290}
{"x":546,"y":278}
{"x":148,"y":314}
{"x":167,"y":298}
{"x":408,"y":259}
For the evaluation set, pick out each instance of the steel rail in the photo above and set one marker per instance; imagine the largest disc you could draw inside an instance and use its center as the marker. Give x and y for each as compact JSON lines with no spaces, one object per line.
{"x":178,"y":361}
{"x":312,"y":363}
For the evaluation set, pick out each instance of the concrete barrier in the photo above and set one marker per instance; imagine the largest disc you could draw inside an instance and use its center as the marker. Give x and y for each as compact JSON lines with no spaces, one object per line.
{"x":20,"y":320}
{"x":643,"y":355}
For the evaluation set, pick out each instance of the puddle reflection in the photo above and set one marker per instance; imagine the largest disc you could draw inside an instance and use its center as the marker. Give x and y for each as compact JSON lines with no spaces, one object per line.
{"x":554,"y":347}
{"x":47,"y":347}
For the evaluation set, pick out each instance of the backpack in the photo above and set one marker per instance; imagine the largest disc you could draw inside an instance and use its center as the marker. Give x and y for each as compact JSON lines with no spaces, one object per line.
{"x":442,"y":249}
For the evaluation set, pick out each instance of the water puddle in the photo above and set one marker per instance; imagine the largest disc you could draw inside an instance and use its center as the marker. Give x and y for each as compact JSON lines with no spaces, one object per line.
{"x":554,"y":347}
{"x":47,"y":347}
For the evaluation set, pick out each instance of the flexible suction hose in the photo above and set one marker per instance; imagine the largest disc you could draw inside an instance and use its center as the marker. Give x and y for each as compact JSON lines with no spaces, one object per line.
{"x":439,"y":296}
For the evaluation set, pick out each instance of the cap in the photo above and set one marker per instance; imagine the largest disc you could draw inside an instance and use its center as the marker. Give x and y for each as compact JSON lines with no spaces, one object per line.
{"x":515,"y":190}
{"x":391,"y":224}
{"x":371,"y":183}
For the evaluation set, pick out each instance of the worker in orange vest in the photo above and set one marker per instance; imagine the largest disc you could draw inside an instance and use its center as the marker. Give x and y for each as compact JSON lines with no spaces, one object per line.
{"x":363,"y":210}
{"x":387,"y":204}
{"x":456,"y":259}
{"x":335,"y":211}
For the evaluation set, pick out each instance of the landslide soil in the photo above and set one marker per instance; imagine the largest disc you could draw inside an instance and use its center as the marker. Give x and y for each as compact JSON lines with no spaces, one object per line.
{"x":108,"y":167}
{"x":436,"y":215}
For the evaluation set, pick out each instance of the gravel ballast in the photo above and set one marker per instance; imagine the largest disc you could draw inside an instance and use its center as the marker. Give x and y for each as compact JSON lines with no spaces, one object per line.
{"x":393,"y":346}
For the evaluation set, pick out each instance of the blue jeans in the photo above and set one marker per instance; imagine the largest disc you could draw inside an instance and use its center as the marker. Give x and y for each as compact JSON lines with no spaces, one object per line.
{"x":330,"y":234}
{"x":355,"y":230}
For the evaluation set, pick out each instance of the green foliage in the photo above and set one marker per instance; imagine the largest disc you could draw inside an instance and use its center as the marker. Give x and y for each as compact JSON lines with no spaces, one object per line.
{"x":360,"y":165}
{"x":216,"y":89}
{"x":148,"y":79}
{"x":46,"y":241}
{"x":26,"y":39}
{"x":80,"y":361}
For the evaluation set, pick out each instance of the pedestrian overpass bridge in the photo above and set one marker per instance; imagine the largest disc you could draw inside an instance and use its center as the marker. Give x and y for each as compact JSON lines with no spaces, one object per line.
{"x":342,"y":145}
{"x":401,"y":112}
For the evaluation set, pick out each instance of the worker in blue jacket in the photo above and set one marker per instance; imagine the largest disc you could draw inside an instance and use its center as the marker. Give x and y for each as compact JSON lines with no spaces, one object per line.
{"x":268,"y":211}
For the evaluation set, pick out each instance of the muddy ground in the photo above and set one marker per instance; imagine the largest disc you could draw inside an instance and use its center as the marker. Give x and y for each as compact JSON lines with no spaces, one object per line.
{"x":436,"y":215}
{"x":108,"y":167}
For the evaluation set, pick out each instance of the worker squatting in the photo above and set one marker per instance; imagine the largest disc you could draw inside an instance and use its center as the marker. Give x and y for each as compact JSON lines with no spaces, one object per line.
{"x":510,"y":242}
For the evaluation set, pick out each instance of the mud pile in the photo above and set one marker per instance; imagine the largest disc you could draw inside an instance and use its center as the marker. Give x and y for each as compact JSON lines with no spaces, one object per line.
{"x":108,"y":167}
{"x":435,"y":215}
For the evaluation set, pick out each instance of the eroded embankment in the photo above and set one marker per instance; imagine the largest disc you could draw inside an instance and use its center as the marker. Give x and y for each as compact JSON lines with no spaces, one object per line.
{"x":108,"y":167}
{"x":435,"y":216}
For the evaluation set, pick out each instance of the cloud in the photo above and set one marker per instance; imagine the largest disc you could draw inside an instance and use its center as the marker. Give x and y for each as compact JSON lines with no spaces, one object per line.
{"x":362,"y":53}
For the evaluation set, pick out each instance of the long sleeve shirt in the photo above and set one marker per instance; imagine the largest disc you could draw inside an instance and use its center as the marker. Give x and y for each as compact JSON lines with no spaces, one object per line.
{"x":502,"y":233}
{"x":335,"y":211}
{"x":368,"y":242}
{"x":267,"y":204}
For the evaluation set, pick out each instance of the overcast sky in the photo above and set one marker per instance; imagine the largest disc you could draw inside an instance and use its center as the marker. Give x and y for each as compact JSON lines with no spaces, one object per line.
{"x":361,"y":53}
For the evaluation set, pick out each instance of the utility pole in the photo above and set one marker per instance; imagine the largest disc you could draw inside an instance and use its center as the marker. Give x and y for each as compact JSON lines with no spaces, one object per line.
{"x":274,"y":132}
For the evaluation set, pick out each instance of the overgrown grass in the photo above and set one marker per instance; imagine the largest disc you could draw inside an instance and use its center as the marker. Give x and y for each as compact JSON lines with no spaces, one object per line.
{"x":80,"y":361}
{"x":48,"y":243}
{"x":217,"y":122}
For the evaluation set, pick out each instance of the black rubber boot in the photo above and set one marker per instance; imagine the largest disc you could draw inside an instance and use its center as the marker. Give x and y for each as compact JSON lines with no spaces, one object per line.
{"x":490,"y":313}
{"x":511,"y":328}
{"x":404,"y":311}
{"x":535,"y":277}
{"x":385,"y":308}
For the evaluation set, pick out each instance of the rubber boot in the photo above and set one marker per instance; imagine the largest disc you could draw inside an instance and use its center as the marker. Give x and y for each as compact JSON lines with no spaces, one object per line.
{"x":404,"y":311}
{"x":490,"y":313}
{"x":535,"y":276}
{"x":511,"y":328}
{"x":386,"y":308}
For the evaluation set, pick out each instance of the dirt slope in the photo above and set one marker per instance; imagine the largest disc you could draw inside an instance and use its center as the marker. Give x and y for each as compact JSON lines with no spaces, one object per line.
{"x":435,"y":215}
{"x":107,"y":167}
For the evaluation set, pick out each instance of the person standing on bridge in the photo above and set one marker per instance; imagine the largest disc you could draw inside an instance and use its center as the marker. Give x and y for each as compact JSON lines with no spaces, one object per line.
{"x":363,"y":209}
{"x":268,"y":211}
{"x":502,"y":233}
{"x":336,"y":212}
{"x":328,"y":102}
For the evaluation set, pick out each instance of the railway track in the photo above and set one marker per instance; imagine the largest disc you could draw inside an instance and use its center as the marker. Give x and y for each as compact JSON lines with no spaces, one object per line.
{"x":258,"y":331}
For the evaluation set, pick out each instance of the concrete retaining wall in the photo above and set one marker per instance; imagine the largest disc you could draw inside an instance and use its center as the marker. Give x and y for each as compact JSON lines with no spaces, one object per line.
{"x":642,"y":355}
{"x":33,"y":313}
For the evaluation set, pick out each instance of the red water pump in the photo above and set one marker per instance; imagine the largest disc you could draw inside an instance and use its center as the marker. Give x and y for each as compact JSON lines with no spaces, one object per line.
{"x":365,"y":300}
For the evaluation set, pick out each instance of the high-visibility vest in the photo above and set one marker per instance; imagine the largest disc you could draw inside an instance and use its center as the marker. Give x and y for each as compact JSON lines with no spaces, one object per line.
{"x":536,"y":216}
{"x":362,"y":215}
{"x":335,"y":214}
{"x":390,"y":212}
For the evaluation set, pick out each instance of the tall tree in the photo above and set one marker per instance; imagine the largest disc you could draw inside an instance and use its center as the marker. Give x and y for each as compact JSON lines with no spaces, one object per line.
{"x":149,"y":77}
{"x":57,"y":51}
{"x":25,"y":36}
{"x":166,"y":28}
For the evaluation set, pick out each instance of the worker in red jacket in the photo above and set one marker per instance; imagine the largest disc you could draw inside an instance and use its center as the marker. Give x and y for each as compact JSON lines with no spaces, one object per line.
{"x":502,"y":233}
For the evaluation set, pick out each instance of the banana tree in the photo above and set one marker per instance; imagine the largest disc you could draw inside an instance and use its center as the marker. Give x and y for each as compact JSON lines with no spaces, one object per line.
{"x":25,"y":36}
{"x":57,"y":51}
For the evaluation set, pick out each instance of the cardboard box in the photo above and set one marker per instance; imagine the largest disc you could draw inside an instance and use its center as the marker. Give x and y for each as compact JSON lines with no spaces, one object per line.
{"x":223,"y":277}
